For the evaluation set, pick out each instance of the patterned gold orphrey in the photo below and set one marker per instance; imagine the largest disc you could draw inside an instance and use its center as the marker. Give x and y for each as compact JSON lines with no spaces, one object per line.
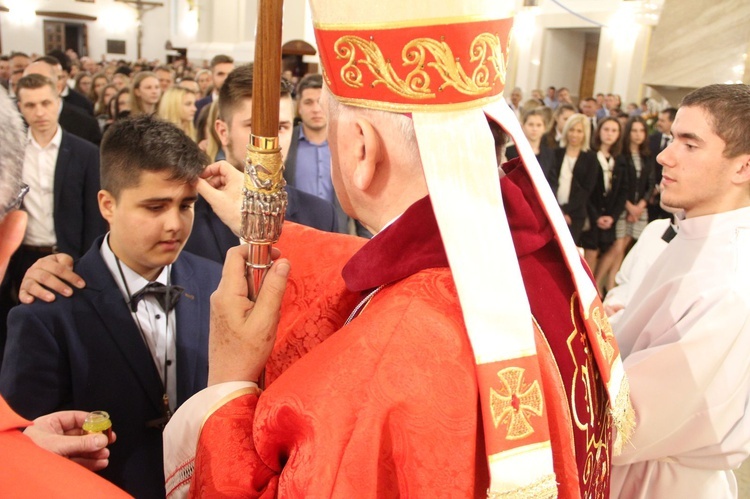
{"x":486,"y":51}
{"x":515,"y":403}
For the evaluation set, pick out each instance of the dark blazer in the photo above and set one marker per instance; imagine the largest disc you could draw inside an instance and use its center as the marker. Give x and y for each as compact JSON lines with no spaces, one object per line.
{"x":78,"y":221}
{"x":639,"y":186}
{"x":87,"y":353}
{"x":586,"y":171}
{"x":79,"y":100}
{"x":602,"y":203}
{"x":290,"y":170}
{"x":201,"y":103}
{"x":79,"y":123}
{"x":546,"y":159}
{"x":212,"y":239}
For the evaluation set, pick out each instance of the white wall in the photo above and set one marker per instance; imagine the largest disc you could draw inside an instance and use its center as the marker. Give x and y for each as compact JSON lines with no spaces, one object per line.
{"x":623,"y":46}
{"x":562,"y":58}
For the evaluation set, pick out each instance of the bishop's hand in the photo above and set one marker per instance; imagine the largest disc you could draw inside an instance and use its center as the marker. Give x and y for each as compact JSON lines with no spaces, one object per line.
{"x":243,"y":332}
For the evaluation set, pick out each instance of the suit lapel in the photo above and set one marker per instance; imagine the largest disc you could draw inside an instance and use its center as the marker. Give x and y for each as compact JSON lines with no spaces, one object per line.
{"x":61,"y":170}
{"x":107,"y":300}
{"x":192,"y":335}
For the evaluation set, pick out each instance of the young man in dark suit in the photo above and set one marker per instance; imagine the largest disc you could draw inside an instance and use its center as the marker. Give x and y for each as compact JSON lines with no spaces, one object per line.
{"x":134,"y":342}
{"x":73,"y":118}
{"x":63,"y":173}
{"x":211,"y":237}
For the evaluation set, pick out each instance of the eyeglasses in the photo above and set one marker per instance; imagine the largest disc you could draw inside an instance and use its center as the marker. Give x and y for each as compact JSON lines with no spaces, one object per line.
{"x":15,"y":203}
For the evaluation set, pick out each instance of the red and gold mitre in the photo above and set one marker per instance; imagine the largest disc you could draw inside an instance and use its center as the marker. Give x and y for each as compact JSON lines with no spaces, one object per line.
{"x":445,"y":64}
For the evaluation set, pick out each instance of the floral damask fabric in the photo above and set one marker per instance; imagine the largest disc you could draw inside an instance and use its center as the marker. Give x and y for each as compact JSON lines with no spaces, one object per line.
{"x":388,"y":405}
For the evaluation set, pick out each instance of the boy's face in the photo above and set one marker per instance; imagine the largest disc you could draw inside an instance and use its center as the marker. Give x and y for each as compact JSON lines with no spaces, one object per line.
{"x":149,"y":223}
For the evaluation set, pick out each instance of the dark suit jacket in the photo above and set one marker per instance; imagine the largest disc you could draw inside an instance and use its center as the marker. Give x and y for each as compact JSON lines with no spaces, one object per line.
{"x":79,"y":123}
{"x":639,"y":186}
{"x":80,"y":101}
{"x":586,"y":171}
{"x":546,"y":159}
{"x":602,"y":203}
{"x":78,"y":221}
{"x":212,"y":239}
{"x":87,"y":353}
{"x":290,"y":170}
{"x":201,"y":103}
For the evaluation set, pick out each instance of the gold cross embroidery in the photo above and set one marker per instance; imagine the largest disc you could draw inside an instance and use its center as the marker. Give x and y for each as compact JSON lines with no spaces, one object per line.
{"x":515,"y":403}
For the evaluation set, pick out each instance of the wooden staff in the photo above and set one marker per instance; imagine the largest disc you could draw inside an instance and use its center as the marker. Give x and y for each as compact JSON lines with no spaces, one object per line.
{"x":265,"y":200}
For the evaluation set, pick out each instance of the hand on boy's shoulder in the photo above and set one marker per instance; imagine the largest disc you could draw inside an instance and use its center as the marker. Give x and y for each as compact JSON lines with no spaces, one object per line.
{"x":49,"y":275}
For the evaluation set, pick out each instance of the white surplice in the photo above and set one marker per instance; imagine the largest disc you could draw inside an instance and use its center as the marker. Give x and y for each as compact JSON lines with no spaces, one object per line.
{"x":685,"y":343}
{"x":636,"y":266}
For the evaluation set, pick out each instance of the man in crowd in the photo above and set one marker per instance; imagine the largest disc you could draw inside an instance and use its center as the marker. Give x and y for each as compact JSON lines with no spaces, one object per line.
{"x":71,"y":118}
{"x":550,"y":100}
{"x":515,"y":101}
{"x":63,"y":174}
{"x":307,"y":165}
{"x":658,"y":141}
{"x":68,"y":94}
{"x":165,"y":75}
{"x":563,"y":96}
{"x":685,"y":335}
{"x":221,"y":66}
{"x":336,"y":418}
{"x":4,"y":71}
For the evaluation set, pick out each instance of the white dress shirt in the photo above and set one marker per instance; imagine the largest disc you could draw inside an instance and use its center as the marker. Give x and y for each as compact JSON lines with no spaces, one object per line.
{"x":159,"y":329}
{"x":565,"y":180}
{"x":39,"y":174}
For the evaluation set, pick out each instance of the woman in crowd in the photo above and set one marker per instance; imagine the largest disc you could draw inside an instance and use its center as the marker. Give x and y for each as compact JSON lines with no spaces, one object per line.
{"x":178,"y":107}
{"x":608,"y":200}
{"x":637,"y":162}
{"x":203,"y":77}
{"x":577,"y":172}
{"x":98,"y":82}
{"x":101,"y":106}
{"x":83,"y":83}
{"x":533,"y":122}
{"x":144,"y":93}
{"x":555,"y":131}
{"x":207,"y":138}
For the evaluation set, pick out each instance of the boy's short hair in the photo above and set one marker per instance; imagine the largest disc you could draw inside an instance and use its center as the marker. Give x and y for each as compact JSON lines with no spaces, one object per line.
{"x":728,"y":107}
{"x":146,"y":143}
{"x":32,"y":82}
{"x":239,"y":86}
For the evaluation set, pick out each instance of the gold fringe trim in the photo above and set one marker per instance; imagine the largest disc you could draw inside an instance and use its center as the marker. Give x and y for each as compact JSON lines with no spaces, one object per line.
{"x":544,"y":488}
{"x":623,"y":416}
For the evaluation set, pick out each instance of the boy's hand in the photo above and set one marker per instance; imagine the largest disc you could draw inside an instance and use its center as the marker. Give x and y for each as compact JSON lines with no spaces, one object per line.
{"x":51,"y":273}
{"x":221,"y":186}
{"x":243,"y":332}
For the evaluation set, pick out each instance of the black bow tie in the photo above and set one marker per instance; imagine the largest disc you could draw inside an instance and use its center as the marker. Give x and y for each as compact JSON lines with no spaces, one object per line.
{"x":166,"y":295}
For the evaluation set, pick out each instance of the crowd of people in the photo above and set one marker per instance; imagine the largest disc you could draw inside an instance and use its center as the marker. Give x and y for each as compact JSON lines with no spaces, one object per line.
{"x":400,"y":364}
{"x":600,"y":162}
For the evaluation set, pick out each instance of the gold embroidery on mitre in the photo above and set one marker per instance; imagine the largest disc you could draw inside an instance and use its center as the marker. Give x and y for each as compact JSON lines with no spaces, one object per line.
{"x":604,"y":334}
{"x":486,"y":51}
{"x":514,"y":405}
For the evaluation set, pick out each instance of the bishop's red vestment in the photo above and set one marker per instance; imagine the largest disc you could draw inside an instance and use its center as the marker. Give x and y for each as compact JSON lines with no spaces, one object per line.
{"x":387,"y":406}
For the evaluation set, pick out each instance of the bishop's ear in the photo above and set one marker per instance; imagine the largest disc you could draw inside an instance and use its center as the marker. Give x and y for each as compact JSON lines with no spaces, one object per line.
{"x":368,"y":153}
